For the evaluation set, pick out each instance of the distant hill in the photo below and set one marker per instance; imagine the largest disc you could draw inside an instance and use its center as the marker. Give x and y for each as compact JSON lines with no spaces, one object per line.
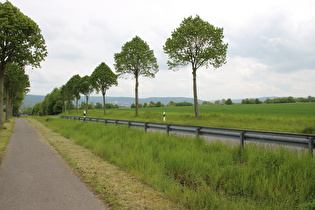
{"x":31,"y":100}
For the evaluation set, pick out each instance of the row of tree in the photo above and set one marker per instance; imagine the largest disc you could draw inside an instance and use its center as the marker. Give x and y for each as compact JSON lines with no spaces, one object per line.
{"x":289,"y":99}
{"x":195,"y":42}
{"x":159,"y":104}
{"x":251,"y":101}
{"x":60,"y":99}
{"x":16,"y":85}
{"x":21,"y":44}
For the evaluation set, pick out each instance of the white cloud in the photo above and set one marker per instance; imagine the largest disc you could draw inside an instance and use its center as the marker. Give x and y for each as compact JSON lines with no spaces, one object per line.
{"x":271,"y":44}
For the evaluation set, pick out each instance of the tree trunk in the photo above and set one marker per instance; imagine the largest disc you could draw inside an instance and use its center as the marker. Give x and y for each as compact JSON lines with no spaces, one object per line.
{"x":69,"y":101}
{"x":64,"y":105}
{"x":11,"y":105}
{"x":76,"y":104}
{"x":104,"y":105}
{"x":87,"y":104}
{"x":195,"y":92}
{"x":137,"y":99}
{"x":2,"y":66}
{"x":7,"y":103}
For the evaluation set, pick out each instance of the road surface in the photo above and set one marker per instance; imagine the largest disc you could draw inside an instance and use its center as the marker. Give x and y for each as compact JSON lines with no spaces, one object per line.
{"x":33,"y":176}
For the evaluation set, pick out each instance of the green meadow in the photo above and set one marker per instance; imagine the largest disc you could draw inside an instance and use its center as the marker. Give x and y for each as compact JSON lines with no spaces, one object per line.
{"x":292,"y":118}
{"x":197,"y":174}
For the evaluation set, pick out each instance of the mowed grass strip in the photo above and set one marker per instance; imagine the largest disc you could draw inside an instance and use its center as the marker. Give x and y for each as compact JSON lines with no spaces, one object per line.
{"x":292,"y":118}
{"x":5,"y":134}
{"x":117,"y":188}
{"x":200,"y":175}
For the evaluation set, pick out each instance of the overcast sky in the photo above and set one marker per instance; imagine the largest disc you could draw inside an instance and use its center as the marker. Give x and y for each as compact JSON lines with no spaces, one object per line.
{"x":271,"y":45}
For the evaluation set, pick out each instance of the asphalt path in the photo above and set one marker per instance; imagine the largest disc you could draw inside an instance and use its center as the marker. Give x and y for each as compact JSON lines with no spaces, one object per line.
{"x":33,"y":176}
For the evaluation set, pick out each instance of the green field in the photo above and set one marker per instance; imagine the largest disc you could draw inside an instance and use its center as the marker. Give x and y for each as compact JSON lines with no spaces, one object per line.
{"x":199,"y":175}
{"x":292,"y":118}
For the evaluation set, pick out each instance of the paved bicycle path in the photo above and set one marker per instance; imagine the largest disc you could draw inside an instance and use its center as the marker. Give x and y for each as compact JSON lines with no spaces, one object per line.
{"x":33,"y":176}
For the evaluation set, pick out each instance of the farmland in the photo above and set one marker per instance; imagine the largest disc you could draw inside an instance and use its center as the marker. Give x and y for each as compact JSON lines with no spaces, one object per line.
{"x":292,"y":118}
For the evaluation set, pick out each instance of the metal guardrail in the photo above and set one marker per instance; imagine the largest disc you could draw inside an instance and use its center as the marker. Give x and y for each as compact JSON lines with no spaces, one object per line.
{"x":288,"y":139}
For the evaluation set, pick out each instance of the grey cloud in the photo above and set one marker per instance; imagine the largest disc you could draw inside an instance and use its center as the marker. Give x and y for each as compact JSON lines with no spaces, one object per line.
{"x":278,"y":43}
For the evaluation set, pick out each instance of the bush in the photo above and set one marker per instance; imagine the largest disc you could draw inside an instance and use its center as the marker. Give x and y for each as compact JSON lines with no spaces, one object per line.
{"x":184,"y":104}
{"x":309,"y":130}
{"x":228,"y":102}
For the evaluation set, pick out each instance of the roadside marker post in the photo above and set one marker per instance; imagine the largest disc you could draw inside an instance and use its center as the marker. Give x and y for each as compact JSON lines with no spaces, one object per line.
{"x":164,"y":116}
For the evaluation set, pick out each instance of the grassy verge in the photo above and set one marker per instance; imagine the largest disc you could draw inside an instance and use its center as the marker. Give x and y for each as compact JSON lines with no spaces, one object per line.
{"x":292,"y":118}
{"x":199,"y":175}
{"x":118,"y":189}
{"x":5,"y":134}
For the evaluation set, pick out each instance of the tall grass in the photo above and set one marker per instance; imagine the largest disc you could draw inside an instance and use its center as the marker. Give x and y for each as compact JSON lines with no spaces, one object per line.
{"x":5,"y":134}
{"x":200,"y":175}
{"x":293,"y":118}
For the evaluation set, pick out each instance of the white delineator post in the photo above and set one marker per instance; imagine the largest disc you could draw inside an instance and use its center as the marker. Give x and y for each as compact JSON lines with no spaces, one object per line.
{"x":164,"y":116}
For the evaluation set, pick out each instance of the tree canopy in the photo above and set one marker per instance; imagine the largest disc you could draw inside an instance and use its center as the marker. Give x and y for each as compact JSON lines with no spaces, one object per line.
{"x":86,"y":89}
{"x":16,"y":85}
{"x":71,"y":90}
{"x":102,"y":79}
{"x":198,"y":43}
{"x":136,"y":58}
{"x":21,"y":42}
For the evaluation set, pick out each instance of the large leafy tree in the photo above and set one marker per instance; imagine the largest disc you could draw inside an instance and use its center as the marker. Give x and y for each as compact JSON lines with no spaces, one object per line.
{"x":16,"y":85}
{"x":102,"y":79}
{"x":86,"y":88}
{"x":53,"y":102}
{"x":198,"y":43}
{"x":136,"y":59}
{"x":51,"y":105}
{"x":68,"y":93}
{"x":21,"y":42}
{"x":73,"y":90}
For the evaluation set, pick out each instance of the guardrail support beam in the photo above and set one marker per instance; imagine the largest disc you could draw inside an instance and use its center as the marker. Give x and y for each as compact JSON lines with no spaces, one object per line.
{"x":242,"y":139}
{"x":198,"y":132}
{"x":311,"y":145}
{"x":168,"y":129}
{"x":145,"y":127}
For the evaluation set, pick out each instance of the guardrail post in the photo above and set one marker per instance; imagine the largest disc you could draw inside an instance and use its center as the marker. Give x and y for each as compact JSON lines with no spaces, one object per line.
{"x":129,"y":124}
{"x":242,"y":139}
{"x":145,"y":127}
{"x":311,"y":145}
{"x":198,"y":132}
{"x":168,"y":129}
